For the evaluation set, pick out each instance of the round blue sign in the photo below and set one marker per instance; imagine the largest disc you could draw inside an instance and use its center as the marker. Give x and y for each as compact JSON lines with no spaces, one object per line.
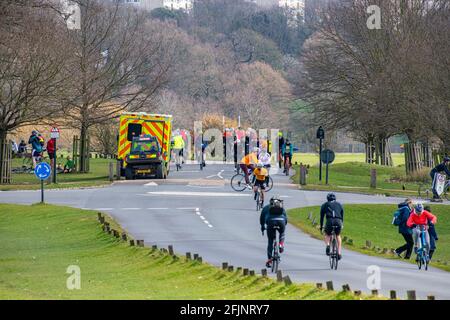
{"x":43,"y":171}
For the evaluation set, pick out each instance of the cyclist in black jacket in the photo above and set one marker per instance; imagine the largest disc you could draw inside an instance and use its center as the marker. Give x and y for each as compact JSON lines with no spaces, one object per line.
{"x":273,"y":215}
{"x":442,"y":167}
{"x":334,"y":213}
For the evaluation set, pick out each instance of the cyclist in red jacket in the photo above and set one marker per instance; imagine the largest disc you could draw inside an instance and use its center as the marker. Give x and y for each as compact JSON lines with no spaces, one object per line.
{"x":419,"y":218}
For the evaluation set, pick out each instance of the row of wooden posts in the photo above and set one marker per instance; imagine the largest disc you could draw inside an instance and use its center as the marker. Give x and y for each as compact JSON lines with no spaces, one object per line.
{"x":411,"y":295}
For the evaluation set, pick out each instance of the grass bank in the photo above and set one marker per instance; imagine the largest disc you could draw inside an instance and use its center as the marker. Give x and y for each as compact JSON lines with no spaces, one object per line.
{"x":313,"y":159}
{"x":40,"y":242}
{"x":98,"y":176}
{"x":373,"y":223}
{"x":355,"y":177}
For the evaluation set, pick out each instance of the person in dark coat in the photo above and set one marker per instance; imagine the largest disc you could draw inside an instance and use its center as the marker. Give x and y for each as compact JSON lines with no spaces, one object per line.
{"x":433,"y":235}
{"x":405,"y":211}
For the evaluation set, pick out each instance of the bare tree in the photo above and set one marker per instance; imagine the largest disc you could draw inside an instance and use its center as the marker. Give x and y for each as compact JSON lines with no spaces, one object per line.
{"x":119,"y":60}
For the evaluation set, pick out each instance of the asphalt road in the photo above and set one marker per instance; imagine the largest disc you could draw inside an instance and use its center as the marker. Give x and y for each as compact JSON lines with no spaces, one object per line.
{"x":198,"y":212}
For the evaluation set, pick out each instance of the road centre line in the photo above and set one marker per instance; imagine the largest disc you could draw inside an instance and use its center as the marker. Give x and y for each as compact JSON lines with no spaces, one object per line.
{"x":199,"y":194}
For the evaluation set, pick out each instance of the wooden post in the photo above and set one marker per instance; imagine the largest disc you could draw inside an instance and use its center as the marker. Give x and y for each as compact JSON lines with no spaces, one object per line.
{"x":357,"y":293}
{"x":393,"y":295}
{"x":373,"y":178}
{"x":279,"y":276}
{"x":287,"y":280}
{"x":171,"y":250}
{"x":200,"y":259}
{"x":116,"y":233}
{"x":252,"y":273}
{"x":375,"y":292}
{"x":140,"y":243}
{"x":346,"y":288}
{"x":111,"y":172}
{"x":264,"y":272}
{"x":117,"y":170}
{"x":195,"y":256}
{"x":319,"y":285}
{"x":330,"y":285}
{"x":431,"y":298}
{"x":411,"y":294}
{"x":154,"y":247}
{"x":302,"y":175}
{"x":224,"y":265}
{"x":99,"y":214}
{"x":131,"y":243}
{"x":245,"y":272}
{"x":188,"y":256}
{"x":368,"y":244}
{"x":230,"y":268}
{"x":124,"y":236}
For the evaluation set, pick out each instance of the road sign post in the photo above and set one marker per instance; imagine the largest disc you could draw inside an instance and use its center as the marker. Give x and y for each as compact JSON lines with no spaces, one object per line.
{"x":320,"y":135}
{"x":43,"y":171}
{"x":54,"y":135}
{"x":327,"y":157}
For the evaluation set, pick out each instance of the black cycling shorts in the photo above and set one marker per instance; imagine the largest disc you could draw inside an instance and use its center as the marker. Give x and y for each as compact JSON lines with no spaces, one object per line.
{"x":329,"y":226}
{"x":262,"y":184}
{"x":36,"y":154}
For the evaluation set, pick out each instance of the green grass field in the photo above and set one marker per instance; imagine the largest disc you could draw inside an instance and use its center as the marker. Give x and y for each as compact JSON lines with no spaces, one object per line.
{"x":98,"y":176}
{"x":373,"y":223}
{"x":355,"y":177}
{"x":313,"y":159}
{"x":40,"y":242}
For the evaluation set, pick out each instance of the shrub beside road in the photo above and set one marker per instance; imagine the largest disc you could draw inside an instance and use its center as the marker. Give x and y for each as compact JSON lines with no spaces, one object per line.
{"x":373,"y":223}
{"x":41,"y":241}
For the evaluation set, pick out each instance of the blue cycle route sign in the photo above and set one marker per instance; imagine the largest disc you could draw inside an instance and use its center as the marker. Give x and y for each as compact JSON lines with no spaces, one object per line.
{"x":43,"y":171}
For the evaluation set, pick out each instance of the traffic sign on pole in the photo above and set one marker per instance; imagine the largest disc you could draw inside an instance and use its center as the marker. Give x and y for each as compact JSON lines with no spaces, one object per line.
{"x":43,"y":171}
{"x":54,"y":133}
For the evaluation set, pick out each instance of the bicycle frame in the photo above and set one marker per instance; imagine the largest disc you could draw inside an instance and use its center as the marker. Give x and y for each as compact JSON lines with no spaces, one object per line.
{"x":422,"y":252}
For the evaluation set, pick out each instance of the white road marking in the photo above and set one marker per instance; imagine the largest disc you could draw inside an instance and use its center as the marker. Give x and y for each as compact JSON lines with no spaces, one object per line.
{"x":186,"y":208}
{"x":220,"y":174}
{"x":202,"y":217}
{"x":212,"y":176}
{"x":198,"y":213}
{"x":151,"y":184}
{"x":198,"y":194}
{"x":103,"y":209}
{"x":131,"y":209}
{"x":157,"y":208}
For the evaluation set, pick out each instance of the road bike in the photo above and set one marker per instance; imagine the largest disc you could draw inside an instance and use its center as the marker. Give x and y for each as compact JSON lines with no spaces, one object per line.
{"x":287,"y":165}
{"x":334,"y":252}
{"x":259,"y":198}
{"x":275,"y":252}
{"x":446,"y":194}
{"x":239,"y":184}
{"x":423,"y":257}
{"x":177,"y":156}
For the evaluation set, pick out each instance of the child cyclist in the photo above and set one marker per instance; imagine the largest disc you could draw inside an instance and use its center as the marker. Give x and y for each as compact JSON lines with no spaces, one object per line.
{"x":260,"y":174}
{"x":418,"y":220}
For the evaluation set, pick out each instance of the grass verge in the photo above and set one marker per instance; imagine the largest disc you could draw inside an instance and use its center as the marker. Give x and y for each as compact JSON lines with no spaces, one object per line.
{"x":40,"y":242}
{"x":355,"y":177}
{"x":373,"y":223}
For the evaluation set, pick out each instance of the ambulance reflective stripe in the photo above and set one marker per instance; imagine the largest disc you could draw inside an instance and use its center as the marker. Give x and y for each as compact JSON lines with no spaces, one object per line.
{"x":125,"y":149}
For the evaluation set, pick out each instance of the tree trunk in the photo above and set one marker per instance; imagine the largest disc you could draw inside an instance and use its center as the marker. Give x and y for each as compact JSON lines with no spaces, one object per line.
{"x":5,"y":159}
{"x":413,"y":157}
{"x":370,"y":149}
{"x":383,"y":152}
{"x":84,"y":149}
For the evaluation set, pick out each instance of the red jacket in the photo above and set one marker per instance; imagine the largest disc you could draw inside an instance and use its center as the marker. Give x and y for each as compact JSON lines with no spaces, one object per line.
{"x":414,"y":218}
{"x":51,"y":146}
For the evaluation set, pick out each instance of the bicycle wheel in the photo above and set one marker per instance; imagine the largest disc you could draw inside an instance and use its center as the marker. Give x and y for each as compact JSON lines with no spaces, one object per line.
{"x":419,"y":260}
{"x":257,"y":201}
{"x":269,"y":184}
{"x":238,"y":182}
{"x":275,"y":258}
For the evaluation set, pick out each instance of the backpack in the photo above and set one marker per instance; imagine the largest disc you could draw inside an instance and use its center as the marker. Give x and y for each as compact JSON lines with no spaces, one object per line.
{"x":396,"y":220}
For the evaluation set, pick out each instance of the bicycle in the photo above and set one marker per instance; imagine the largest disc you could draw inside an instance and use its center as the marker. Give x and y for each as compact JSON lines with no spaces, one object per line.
{"x":334,"y":253}
{"x":287,"y":165}
{"x":177,"y":156}
{"x":446,"y":194}
{"x":423,"y":258}
{"x":239,"y":184}
{"x":275,"y":252}
{"x":259,"y":199}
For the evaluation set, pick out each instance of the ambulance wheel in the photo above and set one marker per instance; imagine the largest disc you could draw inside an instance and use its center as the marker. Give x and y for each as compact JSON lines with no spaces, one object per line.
{"x":129,"y":174}
{"x":160,"y":172}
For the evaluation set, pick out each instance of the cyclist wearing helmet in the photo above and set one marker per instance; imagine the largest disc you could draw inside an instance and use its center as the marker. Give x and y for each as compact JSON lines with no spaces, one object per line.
{"x":334,"y":213}
{"x":260,"y":174}
{"x":273,"y":215}
{"x":442,"y":167}
{"x":248,"y":163}
{"x":420,"y":217}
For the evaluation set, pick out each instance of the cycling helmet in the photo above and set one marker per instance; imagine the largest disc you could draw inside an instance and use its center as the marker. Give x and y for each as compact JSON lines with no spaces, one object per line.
{"x":418,"y":208}
{"x":331,"y":197}
{"x":276,"y":201}
{"x":259,"y":165}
